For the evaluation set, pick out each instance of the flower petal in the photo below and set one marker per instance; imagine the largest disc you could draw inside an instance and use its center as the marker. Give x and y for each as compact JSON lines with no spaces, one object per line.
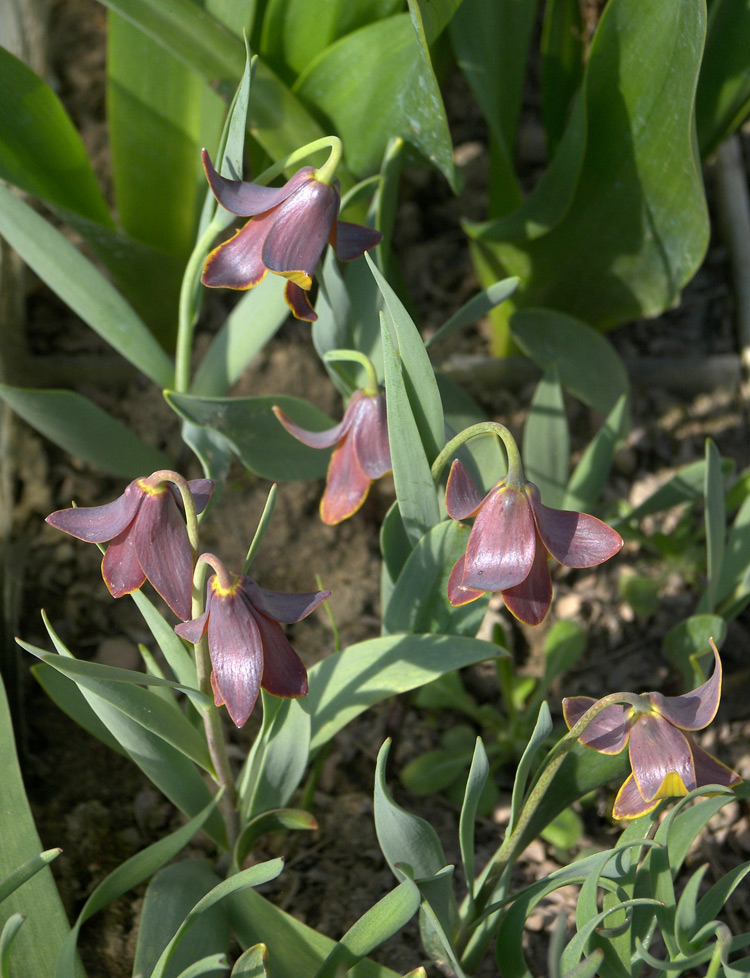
{"x":462,"y":498}
{"x":661,"y":758}
{"x":313,"y":439}
{"x":284,"y":673}
{"x":502,"y":542}
{"x":709,"y":770}
{"x":163,"y":549}
{"x":200,"y":490}
{"x":459,"y":593}
{"x":351,"y":241}
{"x":370,"y":435}
{"x":299,"y":303}
{"x":630,"y":803}
{"x":530,"y":600}
{"x":245,"y":198}
{"x":238,"y":262}
{"x":234,"y":642}
{"x":280,"y":606}
{"x":608,"y":732}
{"x":693,"y":710}
{"x":194,"y":630}
{"x":346,"y":485}
{"x":95,"y":524}
{"x":121,"y":568}
{"x":300,"y":231}
{"x":574,"y":539}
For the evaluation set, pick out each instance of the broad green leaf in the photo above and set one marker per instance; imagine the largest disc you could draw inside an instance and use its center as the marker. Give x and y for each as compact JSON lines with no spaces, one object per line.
{"x":590,"y":475}
{"x":260,"y":442}
{"x":279,"y":820}
{"x":78,"y":283}
{"x":588,"y":364}
{"x":395,"y":548}
{"x":213,"y":452}
{"x":23,"y":873}
{"x":478,"y":306}
{"x":374,"y":927}
{"x":40,"y":150}
{"x":419,"y":601}
{"x":563,"y":647}
{"x":685,"y":486}
{"x":84,"y":430}
{"x":634,"y":227}
{"x":477,"y":779}
{"x":248,"y":327}
{"x":723,"y":99}
{"x":562,"y":51}
{"x":170,"y":895}
{"x":345,"y":684}
{"x":715,"y":518}
{"x":415,"y":489}
{"x":295,"y":950}
{"x":36,"y":946}
{"x":129,"y":874}
{"x":546,"y":441}
{"x":435,"y":770}
{"x":377,"y":83}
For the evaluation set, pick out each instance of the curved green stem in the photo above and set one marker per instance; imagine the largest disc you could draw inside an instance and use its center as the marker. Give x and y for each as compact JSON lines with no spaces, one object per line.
{"x":515,"y":476}
{"x":373,"y":385}
{"x":188,"y":307}
{"x":265,"y":519}
{"x":324,"y":174}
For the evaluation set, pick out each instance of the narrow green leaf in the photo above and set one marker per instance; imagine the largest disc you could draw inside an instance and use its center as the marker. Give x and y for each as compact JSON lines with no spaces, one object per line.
{"x":588,"y":364}
{"x":479,"y":305}
{"x":711,"y":904}
{"x":260,"y":442}
{"x":279,"y":820}
{"x":170,"y":644}
{"x":546,"y":440}
{"x":542,"y":730}
{"x":478,"y":774}
{"x":686,"y":917}
{"x":723,"y":98}
{"x":590,"y":475}
{"x":129,"y":874}
{"x":685,"y":486}
{"x":252,"y":963}
{"x":78,"y":283}
{"x":715,"y":517}
{"x":205,"y":966}
{"x":40,"y":150}
{"x":23,"y":873}
{"x":345,"y":684}
{"x":419,"y":601}
{"x":734,"y":568}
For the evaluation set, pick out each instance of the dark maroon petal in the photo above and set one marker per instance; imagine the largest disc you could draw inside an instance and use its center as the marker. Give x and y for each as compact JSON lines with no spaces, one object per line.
{"x":607,"y":732}
{"x":121,"y":568}
{"x":300,"y":229}
{"x":693,"y":710}
{"x":200,"y":490}
{"x":245,"y":198}
{"x":313,"y":439}
{"x":346,"y":485}
{"x":298,"y":301}
{"x":163,"y":549}
{"x":458,"y":594}
{"x":353,"y":240}
{"x":462,"y":498}
{"x":234,"y":642}
{"x":95,"y":524}
{"x":630,"y":803}
{"x":502,"y":542}
{"x":193,"y":630}
{"x":530,"y":600}
{"x":283,"y":671}
{"x":574,"y":539}
{"x":238,"y":262}
{"x":709,"y":770}
{"x":661,"y":758}
{"x":370,"y":435}
{"x":282,"y":607}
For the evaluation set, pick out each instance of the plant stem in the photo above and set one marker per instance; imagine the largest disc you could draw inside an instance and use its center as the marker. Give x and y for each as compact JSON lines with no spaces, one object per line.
{"x":188,"y":307}
{"x":515,"y":476}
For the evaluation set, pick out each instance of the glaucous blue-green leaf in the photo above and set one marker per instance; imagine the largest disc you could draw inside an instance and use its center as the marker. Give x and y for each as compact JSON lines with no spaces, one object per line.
{"x":562,"y":51}
{"x":483,"y":457}
{"x":40,"y":150}
{"x":478,"y":774}
{"x":170,"y":895}
{"x":735,"y":569}
{"x":723,"y":99}
{"x":590,"y":474}
{"x":546,"y":440}
{"x":345,"y":684}
{"x":542,"y":730}
{"x":252,"y":963}
{"x":685,"y":486}
{"x":29,"y":869}
{"x":377,"y":83}
{"x":295,"y":950}
{"x":633,"y":227}
{"x":36,"y":946}
{"x":419,"y":601}
{"x":81,"y":286}
{"x":479,"y":305}
{"x":258,"y":439}
{"x":715,"y":520}
{"x":278,"y":820}
{"x":82,"y":429}
{"x":395,"y":548}
{"x":588,"y":365}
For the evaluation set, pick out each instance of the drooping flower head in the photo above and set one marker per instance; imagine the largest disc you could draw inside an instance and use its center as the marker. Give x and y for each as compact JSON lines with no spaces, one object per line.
{"x":665,"y":759}
{"x":511,"y":540}
{"x":149,"y":537}
{"x":362,"y":453}
{"x":289,"y":229}
{"x":247,"y":646}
